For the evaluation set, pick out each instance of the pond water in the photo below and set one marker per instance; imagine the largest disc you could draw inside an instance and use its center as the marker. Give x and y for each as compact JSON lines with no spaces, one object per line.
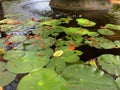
{"x":27,"y":9}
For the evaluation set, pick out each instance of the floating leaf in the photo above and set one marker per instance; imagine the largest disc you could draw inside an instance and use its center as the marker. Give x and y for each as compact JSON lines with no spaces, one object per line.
{"x":65,"y":20}
{"x":118,"y":82}
{"x":105,"y":32}
{"x":13,"y":55}
{"x":68,"y":55}
{"x":2,"y":66}
{"x":54,"y":22}
{"x":83,"y":77}
{"x":6,"y":28}
{"x":43,"y":79}
{"x":5,"y":76}
{"x":110,"y":63}
{"x":56,"y":64}
{"x":85,"y":22}
{"x":112,"y":26}
{"x":33,"y":44}
{"x":100,"y":42}
{"x":30,"y":61}
{"x":17,"y":39}
{"x":76,"y":31}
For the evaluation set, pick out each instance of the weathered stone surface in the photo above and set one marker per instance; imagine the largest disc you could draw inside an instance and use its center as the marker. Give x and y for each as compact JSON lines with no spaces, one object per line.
{"x":80,"y":4}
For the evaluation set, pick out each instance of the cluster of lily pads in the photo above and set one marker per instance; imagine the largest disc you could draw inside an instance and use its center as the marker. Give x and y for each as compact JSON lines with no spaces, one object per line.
{"x":45,"y":51}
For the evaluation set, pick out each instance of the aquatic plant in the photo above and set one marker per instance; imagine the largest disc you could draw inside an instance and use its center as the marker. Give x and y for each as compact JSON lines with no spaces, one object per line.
{"x":48,"y":54}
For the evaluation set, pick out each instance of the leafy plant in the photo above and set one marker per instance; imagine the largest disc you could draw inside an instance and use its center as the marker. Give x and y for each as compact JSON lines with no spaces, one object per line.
{"x":48,"y":53}
{"x":5,"y":76}
{"x":87,"y":78}
{"x":110,"y":63}
{"x":44,"y":79}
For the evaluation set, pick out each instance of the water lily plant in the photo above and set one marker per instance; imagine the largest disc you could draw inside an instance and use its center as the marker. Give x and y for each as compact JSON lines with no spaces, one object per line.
{"x":46,"y":53}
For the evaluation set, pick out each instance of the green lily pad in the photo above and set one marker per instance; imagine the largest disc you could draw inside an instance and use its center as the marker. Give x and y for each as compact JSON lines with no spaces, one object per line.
{"x":65,"y":20}
{"x":6,"y":27}
{"x":17,"y":39}
{"x":56,"y":64}
{"x":85,"y":22}
{"x":118,"y":82}
{"x":76,"y":31}
{"x":100,"y":42}
{"x":83,"y":77}
{"x":33,"y":44}
{"x":2,"y":43}
{"x":13,"y":55}
{"x":30,"y":61}
{"x":110,"y":63}
{"x":43,"y":79}
{"x":53,"y":22}
{"x":2,"y":66}
{"x":105,"y":32}
{"x":5,"y":76}
{"x":68,"y":55}
{"x":112,"y":26}
{"x":117,"y":43}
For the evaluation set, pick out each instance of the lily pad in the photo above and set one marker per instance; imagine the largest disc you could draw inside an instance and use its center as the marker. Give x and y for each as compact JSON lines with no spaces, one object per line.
{"x":118,"y":82}
{"x":105,"y":32}
{"x":65,"y":20}
{"x":5,"y":76}
{"x":13,"y":55}
{"x":40,"y":43}
{"x":110,"y":63}
{"x":30,"y":61}
{"x":2,"y":66}
{"x":100,"y":42}
{"x":43,"y":79}
{"x":53,"y":22}
{"x":83,"y":77}
{"x":68,"y":55}
{"x":76,"y":31}
{"x":112,"y":26}
{"x":85,"y":22}
{"x":56,"y":64}
{"x":17,"y":39}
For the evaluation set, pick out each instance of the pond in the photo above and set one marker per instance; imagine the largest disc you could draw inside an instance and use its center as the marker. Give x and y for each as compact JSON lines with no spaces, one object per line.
{"x":39,"y":22}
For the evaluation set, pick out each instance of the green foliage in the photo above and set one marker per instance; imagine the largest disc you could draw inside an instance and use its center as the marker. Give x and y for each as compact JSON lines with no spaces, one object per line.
{"x":69,"y":55}
{"x":57,"y":64}
{"x":85,"y":22}
{"x":110,"y":63}
{"x":118,"y":82}
{"x":112,"y":26}
{"x":30,"y":61}
{"x":5,"y":76}
{"x":17,"y":39}
{"x":51,"y":56}
{"x":82,"y":77}
{"x":100,"y":42}
{"x":105,"y":32}
{"x":43,"y":79}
